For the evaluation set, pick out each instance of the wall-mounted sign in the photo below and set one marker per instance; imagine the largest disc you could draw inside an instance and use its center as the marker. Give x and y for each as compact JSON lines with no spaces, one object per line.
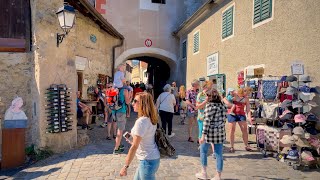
{"x":297,"y":68}
{"x":81,"y":63}
{"x":93,"y":38}
{"x":213,"y":64}
{"x":148,"y":43}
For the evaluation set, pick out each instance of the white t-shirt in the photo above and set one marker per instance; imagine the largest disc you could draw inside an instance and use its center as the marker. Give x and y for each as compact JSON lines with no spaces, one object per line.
{"x":167,"y":100}
{"x":147,"y":149}
{"x":118,"y":78}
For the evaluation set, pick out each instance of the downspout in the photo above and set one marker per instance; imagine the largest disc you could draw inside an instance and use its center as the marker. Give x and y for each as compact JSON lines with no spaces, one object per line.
{"x":114,"y":56}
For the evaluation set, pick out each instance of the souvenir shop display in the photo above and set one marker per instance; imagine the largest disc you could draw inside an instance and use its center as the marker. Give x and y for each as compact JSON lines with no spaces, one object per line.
{"x":58,"y":109}
{"x":284,"y":124}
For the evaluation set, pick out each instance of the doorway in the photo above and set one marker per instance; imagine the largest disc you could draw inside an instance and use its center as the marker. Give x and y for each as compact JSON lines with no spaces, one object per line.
{"x":80,"y":81}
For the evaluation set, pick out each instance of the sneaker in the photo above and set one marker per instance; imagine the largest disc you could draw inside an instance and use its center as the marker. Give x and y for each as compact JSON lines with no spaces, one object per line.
{"x":104,"y":124}
{"x":201,"y":175}
{"x":171,"y":135}
{"x":118,"y":151}
{"x":121,"y":146}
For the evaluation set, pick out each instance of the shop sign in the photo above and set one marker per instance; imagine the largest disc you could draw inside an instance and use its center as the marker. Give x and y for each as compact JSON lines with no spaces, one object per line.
{"x":93,"y":38}
{"x":81,"y":63}
{"x":297,"y":68}
{"x":213,"y":64}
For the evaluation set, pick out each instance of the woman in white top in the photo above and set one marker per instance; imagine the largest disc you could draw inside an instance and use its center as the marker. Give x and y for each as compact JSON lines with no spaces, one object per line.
{"x":165,"y":103}
{"x":143,"y":144}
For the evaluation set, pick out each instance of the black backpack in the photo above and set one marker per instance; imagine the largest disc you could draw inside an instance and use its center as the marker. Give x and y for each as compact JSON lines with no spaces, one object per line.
{"x":165,"y":148}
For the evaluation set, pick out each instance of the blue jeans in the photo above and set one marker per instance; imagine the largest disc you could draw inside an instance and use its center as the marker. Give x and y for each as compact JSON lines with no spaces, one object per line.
{"x":200,"y":126}
{"x":218,"y":150}
{"x":147,"y":169}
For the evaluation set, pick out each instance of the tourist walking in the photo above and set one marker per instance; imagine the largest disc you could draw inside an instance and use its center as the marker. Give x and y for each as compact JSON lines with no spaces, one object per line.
{"x":191,"y":96}
{"x":213,"y":133}
{"x":242,"y":107}
{"x":109,"y":100}
{"x":176,"y":95}
{"x":165,"y":104}
{"x":143,"y":142}
{"x":183,"y":104}
{"x":119,"y":115}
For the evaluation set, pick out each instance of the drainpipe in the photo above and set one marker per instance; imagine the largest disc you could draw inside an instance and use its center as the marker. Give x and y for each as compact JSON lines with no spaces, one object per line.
{"x":114,"y":56}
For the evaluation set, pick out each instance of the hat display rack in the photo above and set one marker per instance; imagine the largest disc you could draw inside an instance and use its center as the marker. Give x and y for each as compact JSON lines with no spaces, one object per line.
{"x":58,"y":109}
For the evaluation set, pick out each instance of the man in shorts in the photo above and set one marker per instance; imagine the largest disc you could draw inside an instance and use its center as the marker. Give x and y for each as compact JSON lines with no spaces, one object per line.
{"x":191,"y":97}
{"x":119,"y":116}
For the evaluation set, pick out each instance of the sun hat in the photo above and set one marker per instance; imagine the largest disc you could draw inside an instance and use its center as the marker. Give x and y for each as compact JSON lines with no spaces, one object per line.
{"x":293,"y":154}
{"x":283,"y":78}
{"x":315,"y":89}
{"x":302,"y":142}
{"x":298,"y":131}
{"x":305,"y":90}
{"x":286,"y":103}
{"x":291,"y":90}
{"x":311,"y":117}
{"x":310,"y":103}
{"x":304,"y":78}
{"x":287,"y":140}
{"x":286,"y":115}
{"x":297,"y":104}
{"x":307,"y":156}
{"x":291,"y":78}
{"x":285,"y":150}
{"x":312,"y":130}
{"x":299,"y":118}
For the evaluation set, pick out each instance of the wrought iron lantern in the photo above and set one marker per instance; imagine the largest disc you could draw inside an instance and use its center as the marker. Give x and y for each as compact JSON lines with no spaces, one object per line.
{"x":66,"y":16}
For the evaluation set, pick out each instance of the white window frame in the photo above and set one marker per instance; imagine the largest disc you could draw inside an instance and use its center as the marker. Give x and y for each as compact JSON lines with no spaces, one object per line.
{"x":233,"y":22}
{"x":264,"y":21}
{"x":194,"y":53}
{"x":184,"y":41}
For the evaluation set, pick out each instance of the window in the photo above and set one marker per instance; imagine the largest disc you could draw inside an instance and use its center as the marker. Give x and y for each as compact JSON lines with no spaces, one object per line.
{"x":15,"y":27}
{"x":196,"y":42}
{"x":227,"y":23}
{"x":159,"y":1}
{"x":184,"y":49}
{"x":262,"y":10}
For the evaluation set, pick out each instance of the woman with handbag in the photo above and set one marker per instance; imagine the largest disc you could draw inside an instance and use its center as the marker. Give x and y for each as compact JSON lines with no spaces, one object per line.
{"x":165,"y":103}
{"x":213,"y":132}
{"x":143,"y":144}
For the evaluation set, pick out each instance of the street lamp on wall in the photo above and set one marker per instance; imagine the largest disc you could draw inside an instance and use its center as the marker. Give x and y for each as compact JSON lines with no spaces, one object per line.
{"x":66,"y":15}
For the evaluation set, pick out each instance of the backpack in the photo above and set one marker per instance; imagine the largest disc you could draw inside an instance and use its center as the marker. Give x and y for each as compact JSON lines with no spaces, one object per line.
{"x":165,"y":148}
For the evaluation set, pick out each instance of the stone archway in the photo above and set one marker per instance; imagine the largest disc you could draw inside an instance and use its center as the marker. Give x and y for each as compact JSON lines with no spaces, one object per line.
{"x":166,"y":56}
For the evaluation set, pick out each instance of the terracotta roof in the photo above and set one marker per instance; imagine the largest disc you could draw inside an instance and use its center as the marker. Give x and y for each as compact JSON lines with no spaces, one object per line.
{"x":85,"y":8}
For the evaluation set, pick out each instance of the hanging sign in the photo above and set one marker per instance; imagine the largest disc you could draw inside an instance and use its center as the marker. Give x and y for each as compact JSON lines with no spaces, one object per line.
{"x":148,"y":43}
{"x":213,"y":64}
{"x":297,"y":68}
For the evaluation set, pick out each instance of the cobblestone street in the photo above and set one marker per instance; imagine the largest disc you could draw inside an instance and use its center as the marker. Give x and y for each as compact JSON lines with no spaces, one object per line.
{"x":96,"y":161}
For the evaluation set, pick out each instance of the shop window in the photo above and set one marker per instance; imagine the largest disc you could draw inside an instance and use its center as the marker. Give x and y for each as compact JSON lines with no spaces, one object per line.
{"x":15,"y":21}
{"x":227,"y":22}
{"x":262,"y":10}
{"x":196,"y":42}
{"x":184,"y":50}
{"x":159,"y":1}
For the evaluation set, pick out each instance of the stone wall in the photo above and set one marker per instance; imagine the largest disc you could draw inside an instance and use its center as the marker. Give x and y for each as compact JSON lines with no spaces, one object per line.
{"x":16,"y":77}
{"x":29,"y":74}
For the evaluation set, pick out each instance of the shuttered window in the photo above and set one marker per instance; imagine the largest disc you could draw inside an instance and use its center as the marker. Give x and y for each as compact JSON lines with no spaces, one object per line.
{"x":15,"y":25}
{"x":184,"y":49}
{"x":262,"y":10}
{"x":196,"y":42}
{"x":227,"y":23}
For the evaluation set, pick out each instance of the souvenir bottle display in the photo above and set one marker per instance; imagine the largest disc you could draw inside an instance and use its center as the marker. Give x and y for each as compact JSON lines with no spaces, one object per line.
{"x":58,"y":109}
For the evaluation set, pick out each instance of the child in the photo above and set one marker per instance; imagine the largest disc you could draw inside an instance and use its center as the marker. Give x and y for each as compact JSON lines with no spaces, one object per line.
{"x":119,"y":79}
{"x":231,"y":98}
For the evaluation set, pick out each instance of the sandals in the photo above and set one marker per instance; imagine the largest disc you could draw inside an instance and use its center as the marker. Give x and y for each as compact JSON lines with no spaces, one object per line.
{"x":231,"y":150}
{"x":108,"y":138}
{"x":190,"y":140}
{"x":248,"y":149}
{"x":114,"y":136}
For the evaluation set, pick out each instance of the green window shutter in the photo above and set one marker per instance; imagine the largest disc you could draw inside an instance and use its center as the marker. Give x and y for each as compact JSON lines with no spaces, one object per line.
{"x":227,"y":23}
{"x":184,"y":49}
{"x":196,"y":38}
{"x":262,"y":10}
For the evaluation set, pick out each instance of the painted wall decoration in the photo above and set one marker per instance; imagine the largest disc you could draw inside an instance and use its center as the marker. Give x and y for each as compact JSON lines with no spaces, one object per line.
{"x":93,"y":38}
{"x":14,"y":112}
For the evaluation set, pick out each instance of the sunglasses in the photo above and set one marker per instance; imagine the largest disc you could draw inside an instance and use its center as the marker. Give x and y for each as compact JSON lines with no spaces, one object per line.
{"x":135,"y":101}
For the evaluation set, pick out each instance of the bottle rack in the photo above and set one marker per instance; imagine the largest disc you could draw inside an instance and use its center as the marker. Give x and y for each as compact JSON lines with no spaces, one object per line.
{"x":58,"y":109}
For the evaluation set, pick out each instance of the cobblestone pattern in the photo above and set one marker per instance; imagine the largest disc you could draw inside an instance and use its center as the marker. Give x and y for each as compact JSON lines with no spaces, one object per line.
{"x":95,"y":161}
